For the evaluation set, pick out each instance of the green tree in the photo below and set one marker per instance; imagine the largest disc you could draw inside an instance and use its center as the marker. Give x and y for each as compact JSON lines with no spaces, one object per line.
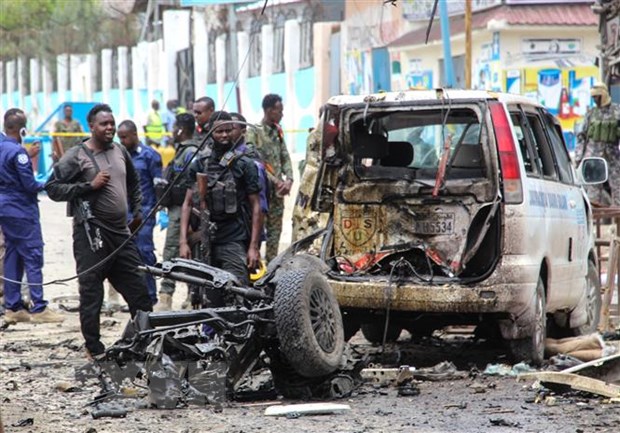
{"x":46,"y":28}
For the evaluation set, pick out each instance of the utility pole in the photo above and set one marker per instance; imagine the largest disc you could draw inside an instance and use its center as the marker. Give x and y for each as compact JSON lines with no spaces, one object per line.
{"x":468,"y":44}
{"x":448,"y":66}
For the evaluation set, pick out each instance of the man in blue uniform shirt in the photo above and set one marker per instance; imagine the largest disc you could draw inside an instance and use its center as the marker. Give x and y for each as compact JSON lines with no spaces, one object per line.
{"x":19,"y":220}
{"x":149,"y":167}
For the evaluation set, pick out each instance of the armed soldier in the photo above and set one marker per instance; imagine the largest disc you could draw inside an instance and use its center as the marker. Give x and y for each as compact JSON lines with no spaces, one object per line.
{"x":268,"y":138}
{"x":185,"y":146}
{"x":600,"y":137}
{"x":232,"y":199}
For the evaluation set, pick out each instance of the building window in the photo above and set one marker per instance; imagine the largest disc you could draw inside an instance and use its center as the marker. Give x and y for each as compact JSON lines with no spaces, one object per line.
{"x":211,"y":72}
{"x":26,"y":76}
{"x":98,"y":79}
{"x":114,"y":82}
{"x":128,"y":72}
{"x":231,"y":56}
{"x":306,"y":36}
{"x":255,"y":49}
{"x":278,"y":44}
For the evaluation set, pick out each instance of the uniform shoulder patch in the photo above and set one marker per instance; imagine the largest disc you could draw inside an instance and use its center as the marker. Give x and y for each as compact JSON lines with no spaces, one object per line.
{"x":23,"y":159}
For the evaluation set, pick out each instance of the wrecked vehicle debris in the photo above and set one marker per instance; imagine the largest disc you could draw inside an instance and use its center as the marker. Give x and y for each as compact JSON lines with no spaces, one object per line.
{"x":451,"y":207}
{"x":290,"y":324}
{"x":445,"y":370}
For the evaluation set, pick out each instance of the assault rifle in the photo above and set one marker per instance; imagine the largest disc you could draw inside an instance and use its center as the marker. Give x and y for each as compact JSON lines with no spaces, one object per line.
{"x":205,"y":218}
{"x":84,"y":215}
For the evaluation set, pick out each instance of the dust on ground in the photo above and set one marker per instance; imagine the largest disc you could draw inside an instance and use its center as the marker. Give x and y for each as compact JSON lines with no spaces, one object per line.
{"x":37,"y":364}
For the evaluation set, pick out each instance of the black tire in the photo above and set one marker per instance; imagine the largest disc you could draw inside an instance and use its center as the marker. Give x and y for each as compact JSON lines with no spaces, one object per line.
{"x":308,"y":323}
{"x":593,"y":293}
{"x":373,"y":332}
{"x":532,"y":348}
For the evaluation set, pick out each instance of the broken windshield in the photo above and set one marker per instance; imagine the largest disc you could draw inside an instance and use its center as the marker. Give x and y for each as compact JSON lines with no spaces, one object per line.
{"x":410,"y":144}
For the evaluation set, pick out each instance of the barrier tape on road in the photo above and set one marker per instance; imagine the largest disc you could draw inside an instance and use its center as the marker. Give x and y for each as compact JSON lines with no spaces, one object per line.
{"x":142,"y":134}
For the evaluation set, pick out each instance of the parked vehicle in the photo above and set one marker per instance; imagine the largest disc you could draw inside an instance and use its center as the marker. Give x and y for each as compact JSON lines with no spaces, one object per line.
{"x":452,"y":207}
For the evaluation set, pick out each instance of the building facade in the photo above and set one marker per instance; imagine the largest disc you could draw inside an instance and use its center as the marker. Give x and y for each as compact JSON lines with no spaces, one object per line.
{"x":544,"y":50}
{"x":233,"y":53}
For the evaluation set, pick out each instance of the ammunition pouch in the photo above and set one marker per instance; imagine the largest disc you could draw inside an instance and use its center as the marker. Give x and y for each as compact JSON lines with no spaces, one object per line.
{"x":222,"y":197}
{"x":604,"y":130}
{"x":176,"y":195}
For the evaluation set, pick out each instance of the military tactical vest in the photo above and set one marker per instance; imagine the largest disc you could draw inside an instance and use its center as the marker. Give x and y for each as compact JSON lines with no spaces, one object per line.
{"x":222,"y":191}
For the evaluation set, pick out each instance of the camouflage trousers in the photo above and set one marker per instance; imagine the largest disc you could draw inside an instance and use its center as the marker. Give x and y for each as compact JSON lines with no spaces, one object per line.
{"x":598,"y":193}
{"x":171,"y":247}
{"x":273,"y":225}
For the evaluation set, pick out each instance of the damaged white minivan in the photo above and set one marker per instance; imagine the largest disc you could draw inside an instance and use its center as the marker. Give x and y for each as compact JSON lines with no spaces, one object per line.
{"x":452,"y":207}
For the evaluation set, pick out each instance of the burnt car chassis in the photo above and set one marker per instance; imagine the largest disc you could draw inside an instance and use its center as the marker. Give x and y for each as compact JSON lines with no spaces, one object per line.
{"x":289,"y":323}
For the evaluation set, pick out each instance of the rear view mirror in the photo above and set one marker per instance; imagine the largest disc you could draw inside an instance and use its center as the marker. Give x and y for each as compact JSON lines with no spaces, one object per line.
{"x":593,"y":170}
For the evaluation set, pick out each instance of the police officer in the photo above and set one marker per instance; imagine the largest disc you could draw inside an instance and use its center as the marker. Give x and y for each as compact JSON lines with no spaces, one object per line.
{"x":185,"y":147}
{"x":19,"y":220}
{"x":600,"y":137}
{"x":268,"y":138}
{"x":149,"y":167}
{"x":99,"y":181}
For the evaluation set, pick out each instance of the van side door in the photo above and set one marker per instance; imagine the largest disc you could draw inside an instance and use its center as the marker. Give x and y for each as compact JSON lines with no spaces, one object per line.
{"x":553,"y":198}
{"x":576,"y":212}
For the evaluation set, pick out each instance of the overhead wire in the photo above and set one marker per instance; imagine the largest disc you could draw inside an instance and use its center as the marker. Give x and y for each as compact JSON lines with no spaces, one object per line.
{"x":178,"y":178}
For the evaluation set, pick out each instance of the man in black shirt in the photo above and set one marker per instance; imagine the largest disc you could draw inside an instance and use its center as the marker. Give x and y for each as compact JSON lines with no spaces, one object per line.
{"x":99,"y":180}
{"x":232,"y":200}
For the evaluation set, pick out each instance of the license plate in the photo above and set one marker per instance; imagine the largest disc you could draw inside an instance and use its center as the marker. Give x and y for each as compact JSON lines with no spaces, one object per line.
{"x":437,"y":224}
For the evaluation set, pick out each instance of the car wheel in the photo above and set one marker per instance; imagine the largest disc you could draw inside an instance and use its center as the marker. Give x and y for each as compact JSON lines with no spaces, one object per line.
{"x":532,"y":348}
{"x":593,"y":294}
{"x":308,"y":323}
{"x":373,"y":332}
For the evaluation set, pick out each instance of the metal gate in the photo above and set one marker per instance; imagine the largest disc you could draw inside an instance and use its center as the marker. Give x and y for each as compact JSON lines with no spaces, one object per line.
{"x":185,"y":76}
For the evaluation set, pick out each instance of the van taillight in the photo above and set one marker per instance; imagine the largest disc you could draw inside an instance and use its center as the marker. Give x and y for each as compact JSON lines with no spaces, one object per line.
{"x":506,"y":146}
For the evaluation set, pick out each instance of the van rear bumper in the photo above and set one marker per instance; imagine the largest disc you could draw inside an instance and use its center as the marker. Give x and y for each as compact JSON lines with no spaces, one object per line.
{"x":510,"y":298}
{"x":511,"y":293}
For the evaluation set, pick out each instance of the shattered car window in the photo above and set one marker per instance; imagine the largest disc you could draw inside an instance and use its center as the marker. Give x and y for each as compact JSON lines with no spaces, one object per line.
{"x":410,"y":144}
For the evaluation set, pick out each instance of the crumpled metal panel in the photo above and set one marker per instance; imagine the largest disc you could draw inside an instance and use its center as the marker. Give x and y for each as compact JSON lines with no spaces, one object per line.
{"x":440,"y":229}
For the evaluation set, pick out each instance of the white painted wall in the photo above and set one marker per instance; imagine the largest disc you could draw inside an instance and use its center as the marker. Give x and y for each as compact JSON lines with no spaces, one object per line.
{"x":266,"y":56}
{"x":20,"y":81}
{"x":35,"y":87}
{"x":47,"y":86}
{"x":176,"y":37}
{"x":122,"y":80}
{"x":201,"y":59}
{"x":106,"y":73}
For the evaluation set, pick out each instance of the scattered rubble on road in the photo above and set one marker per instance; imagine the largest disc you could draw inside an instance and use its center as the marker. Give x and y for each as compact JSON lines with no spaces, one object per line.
{"x":598,"y":377}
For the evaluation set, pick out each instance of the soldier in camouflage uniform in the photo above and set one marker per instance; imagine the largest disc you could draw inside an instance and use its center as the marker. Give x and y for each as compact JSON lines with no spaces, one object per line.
{"x":268,"y":138}
{"x":600,"y":137}
{"x":185,"y":147}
